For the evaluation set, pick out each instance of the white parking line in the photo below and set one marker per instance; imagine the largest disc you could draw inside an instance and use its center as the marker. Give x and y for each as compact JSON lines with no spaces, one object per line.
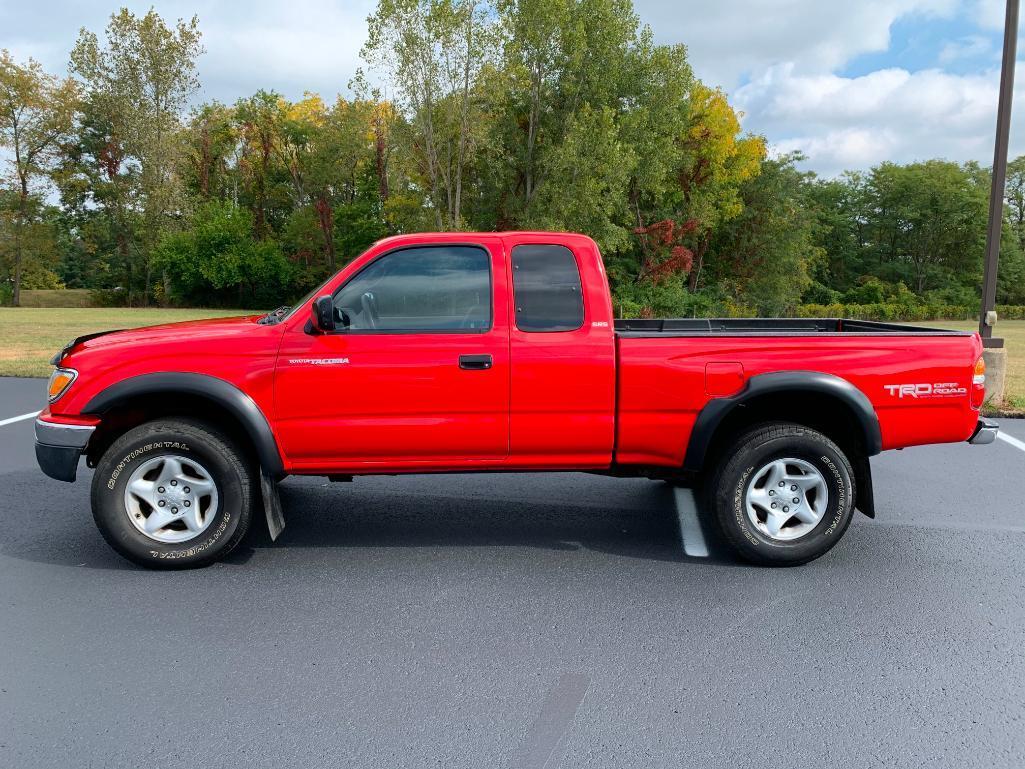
{"x":1012,"y":440}
{"x":690,"y":527}
{"x":22,"y":418}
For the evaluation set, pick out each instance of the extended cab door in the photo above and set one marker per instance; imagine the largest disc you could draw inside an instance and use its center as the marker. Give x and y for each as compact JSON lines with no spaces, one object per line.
{"x":417,"y":372}
{"x":563,"y":353}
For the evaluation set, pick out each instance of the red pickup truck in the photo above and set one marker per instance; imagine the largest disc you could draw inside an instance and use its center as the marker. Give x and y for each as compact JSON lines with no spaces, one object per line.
{"x":495,"y":352}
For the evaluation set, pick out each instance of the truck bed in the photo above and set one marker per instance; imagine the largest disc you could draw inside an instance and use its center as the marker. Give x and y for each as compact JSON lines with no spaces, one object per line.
{"x":699,"y":327}
{"x":669,"y":370}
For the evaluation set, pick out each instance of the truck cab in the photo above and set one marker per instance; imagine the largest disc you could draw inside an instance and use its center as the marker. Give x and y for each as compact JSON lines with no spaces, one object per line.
{"x":494,"y":350}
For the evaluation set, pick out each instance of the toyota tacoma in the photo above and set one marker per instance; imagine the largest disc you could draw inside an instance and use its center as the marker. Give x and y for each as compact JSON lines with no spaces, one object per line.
{"x":440,"y":353}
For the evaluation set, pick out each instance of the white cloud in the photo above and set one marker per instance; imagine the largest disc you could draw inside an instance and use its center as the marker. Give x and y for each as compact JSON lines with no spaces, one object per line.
{"x":733,"y":39}
{"x":890,"y":114}
{"x":969,"y":47}
{"x":289,"y":47}
{"x":990,"y":14}
{"x":781,"y":62}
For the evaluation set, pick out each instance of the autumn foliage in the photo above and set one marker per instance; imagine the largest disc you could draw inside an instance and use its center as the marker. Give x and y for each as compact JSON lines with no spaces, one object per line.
{"x":665,"y":254}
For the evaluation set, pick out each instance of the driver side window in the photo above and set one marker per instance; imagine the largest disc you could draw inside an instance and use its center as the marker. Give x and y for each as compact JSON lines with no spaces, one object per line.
{"x":442,"y":289}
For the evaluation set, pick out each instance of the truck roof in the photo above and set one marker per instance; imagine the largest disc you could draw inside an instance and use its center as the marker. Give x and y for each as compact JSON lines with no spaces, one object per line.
{"x":434,"y":237}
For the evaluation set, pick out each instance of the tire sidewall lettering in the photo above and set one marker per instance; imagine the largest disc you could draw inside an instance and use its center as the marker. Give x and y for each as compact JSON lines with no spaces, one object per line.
{"x":195,"y":549}
{"x":136,"y":453}
{"x":842,"y":496}
{"x":738,"y":507}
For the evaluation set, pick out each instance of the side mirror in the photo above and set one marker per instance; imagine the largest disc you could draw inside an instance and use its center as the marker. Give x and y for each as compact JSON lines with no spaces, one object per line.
{"x":323,"y":312}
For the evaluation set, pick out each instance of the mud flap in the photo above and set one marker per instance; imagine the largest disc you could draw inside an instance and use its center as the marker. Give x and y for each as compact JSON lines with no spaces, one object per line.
{"x":272,"y":506}
{"x":864,"y":494}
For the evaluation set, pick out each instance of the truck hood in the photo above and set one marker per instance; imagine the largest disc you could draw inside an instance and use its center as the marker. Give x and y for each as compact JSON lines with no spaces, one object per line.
{"x":206,"y":329}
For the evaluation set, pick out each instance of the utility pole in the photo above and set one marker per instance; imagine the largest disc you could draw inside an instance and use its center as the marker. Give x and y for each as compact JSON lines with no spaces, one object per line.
{"x":996,"y":201}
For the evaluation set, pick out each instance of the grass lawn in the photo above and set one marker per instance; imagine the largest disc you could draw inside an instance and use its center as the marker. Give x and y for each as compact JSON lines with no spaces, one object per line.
{"x":30,"y":336}
{"x":1013,"y":333}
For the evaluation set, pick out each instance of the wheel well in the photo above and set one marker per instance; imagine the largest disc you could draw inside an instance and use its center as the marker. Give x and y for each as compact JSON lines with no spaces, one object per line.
{"x":825,"y":413}
{"x":136,"y":410}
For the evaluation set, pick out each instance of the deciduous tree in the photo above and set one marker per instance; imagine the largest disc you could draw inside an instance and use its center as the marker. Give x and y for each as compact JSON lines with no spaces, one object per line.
{"x":140,"y":80}
{"x":36,"y":114}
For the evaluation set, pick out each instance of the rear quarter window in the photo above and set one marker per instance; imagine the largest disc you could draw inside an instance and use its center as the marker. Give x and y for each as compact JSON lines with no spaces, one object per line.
{"x":546,"y":282}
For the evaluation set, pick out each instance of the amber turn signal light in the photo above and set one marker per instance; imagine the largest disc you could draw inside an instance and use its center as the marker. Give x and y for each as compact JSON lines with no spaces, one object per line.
{"x":60,"y":381}
{"x":980,"y":372}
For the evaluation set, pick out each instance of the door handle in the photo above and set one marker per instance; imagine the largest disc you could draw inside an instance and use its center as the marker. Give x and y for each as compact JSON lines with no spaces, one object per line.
{"x":475,"y":362}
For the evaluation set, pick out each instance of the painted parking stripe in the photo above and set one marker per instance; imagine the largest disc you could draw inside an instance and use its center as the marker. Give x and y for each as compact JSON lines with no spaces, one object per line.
{"x":22,"y":418}
{"x":548,"y":733}
{"x":1012,"y":440}
{"x":690,"y":527}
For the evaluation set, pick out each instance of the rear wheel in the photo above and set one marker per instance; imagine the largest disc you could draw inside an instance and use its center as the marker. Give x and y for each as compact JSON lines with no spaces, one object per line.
{"x":173,"y":494}
{"x":784,"y":496}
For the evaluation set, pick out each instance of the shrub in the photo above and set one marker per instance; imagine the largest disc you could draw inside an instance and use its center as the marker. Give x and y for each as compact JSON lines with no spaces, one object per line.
{"x":817,"y":293}
{"x":894,"y":312}
{"x":218,"y":260}
{"x":108,"y":297}
{"x":1011,"y":311}
{"x":870,"y":290}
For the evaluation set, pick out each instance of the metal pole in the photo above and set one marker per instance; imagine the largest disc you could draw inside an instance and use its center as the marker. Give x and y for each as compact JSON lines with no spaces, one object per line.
{"x":996,"y":199}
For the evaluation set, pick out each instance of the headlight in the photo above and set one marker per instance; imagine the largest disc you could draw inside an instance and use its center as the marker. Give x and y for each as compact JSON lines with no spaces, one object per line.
{"x":60,"y":381}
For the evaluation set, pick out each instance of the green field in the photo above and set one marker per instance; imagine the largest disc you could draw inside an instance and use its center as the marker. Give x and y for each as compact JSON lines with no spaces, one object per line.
{"x":31,"y":336}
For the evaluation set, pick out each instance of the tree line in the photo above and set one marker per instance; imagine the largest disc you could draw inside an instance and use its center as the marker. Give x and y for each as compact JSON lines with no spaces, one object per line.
{"x":467,"y":115}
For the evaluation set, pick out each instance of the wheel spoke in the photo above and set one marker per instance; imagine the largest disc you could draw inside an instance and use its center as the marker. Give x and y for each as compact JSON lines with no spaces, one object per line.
{"x":144,"y":490}
{"x":158,"y":519}
{"x":760,"y":497}
{"x":193,"y":519}
{"x":777,"y":473}
{"x":775,"y":520}
{"x":171,"y":471}
{"x":803,"y":482}
{"x":806,"y":515}
{"x":199,"y":486}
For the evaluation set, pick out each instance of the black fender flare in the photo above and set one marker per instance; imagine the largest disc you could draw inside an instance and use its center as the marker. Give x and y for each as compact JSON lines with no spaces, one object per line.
{"x":223,"y":393}
{"x":712,"y":415}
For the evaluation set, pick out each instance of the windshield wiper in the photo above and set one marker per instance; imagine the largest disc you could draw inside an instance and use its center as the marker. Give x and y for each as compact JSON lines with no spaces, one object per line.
{"x":274,"y":316}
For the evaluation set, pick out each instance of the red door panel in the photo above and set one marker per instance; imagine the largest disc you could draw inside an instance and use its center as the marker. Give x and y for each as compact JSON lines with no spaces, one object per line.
{"x":361,"y":397}
{"x":392,"y":397}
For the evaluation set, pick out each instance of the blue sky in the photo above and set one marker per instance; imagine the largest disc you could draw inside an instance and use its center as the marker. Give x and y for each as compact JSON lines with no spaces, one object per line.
{"x":957,"y":44}
{"x":849,"y":84}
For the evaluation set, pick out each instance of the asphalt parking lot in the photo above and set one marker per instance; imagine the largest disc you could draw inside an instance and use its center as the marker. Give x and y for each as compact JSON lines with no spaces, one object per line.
{"x":518,"y":621}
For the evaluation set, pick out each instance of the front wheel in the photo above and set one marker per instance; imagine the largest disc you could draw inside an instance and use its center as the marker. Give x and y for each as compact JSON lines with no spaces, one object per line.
{"x":173,"y":494}
{"x":784,"y":496}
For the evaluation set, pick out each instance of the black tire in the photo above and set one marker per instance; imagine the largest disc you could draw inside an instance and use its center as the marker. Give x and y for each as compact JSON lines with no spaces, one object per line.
{"x":233,"y":475}
{"x":752,"y":451}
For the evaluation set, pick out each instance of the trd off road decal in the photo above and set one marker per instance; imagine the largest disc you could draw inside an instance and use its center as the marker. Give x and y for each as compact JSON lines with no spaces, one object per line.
{"x":936,"y":390}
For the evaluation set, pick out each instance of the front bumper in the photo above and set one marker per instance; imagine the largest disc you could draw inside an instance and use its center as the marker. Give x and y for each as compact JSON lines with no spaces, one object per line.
{"x":985,"y":433}
{"x":59,"y":447}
